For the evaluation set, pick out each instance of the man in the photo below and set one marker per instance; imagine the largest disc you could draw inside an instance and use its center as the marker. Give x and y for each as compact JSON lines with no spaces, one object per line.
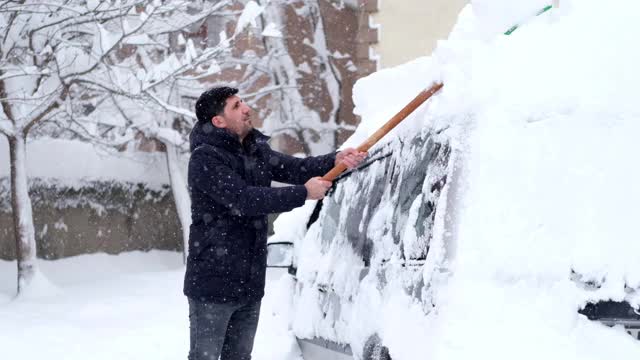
{"x":230,"y":174}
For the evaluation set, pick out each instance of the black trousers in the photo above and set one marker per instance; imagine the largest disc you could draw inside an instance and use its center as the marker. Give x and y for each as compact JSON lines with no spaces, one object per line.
{"x":225,"y":330}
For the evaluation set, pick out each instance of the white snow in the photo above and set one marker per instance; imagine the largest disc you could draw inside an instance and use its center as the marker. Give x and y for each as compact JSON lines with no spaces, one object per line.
{"x":272,"y":30}
{"x":305,"y":68}
{"x":544,"y":123}
{"x":290,"y":228}
{"x":249,"y":14}
{"x":74,"y":161}
{"x":106,"y":40}
{"x":128,"y":306}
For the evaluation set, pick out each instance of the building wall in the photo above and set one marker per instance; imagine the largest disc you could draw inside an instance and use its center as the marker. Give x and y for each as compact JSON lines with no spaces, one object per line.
{"x":345,"y":30}
{"x":408,"y":29}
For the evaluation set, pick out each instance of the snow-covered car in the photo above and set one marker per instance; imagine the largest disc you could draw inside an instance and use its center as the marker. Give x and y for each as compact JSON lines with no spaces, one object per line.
{"x":377,"y":222}
{"x":387,"y":219}
{"x":383,"y":225}
{"x":499,"y":220}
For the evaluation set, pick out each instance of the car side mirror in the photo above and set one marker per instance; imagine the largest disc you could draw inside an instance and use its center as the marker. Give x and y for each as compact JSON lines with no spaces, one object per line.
{"x":279,"y":254}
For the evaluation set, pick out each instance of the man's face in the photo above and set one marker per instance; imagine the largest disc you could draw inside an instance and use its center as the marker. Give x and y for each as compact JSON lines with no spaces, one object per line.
{"x":236,"y":117}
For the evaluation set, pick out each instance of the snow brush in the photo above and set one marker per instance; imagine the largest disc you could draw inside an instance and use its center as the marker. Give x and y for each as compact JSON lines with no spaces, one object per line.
{"x":388,"y":126}
{"x":408,"y":109}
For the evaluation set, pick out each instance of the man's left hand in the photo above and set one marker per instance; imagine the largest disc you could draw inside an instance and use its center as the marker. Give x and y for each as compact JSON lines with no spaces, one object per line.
{"x":350,"y":157}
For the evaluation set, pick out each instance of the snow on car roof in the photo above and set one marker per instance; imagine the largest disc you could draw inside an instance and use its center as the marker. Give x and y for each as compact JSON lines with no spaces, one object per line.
{"x":549,"y":149}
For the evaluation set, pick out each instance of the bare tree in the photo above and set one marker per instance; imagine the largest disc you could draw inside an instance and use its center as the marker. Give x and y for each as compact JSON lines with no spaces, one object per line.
{"x":58,"y":60}
{"x":170,"y":78}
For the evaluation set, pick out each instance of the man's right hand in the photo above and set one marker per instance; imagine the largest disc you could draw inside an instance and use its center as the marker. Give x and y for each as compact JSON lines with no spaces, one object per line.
{"x":316,"y":188}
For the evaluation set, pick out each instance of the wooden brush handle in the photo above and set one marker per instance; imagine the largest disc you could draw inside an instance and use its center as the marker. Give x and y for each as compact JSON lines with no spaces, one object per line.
{"x":384,"y":130}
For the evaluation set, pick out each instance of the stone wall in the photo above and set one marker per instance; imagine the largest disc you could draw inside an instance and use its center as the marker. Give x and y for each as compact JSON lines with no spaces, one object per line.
{"x":94,"y":216}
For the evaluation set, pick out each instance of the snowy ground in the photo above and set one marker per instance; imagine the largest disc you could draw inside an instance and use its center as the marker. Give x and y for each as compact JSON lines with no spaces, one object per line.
{"x":118,"y":307}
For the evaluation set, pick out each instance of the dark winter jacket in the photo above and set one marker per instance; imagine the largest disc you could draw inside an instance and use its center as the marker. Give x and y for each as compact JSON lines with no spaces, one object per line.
{"x":231,"y":195}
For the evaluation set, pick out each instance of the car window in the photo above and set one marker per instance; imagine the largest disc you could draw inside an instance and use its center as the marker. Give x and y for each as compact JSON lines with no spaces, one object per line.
{"x":392,"y":197}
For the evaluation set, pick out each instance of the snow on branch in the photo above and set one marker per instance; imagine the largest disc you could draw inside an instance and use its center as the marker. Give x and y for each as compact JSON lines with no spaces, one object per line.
{"x":50,"y":107}
{"x":174,"y":109}
{"x":251,"y":11}
{"x":60,"y":61}
{"x":49,"y":48}
{"x":6,"y":127}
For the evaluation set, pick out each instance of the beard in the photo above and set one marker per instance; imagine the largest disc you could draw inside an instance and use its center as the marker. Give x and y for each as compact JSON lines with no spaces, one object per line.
{"x":243,"y":129}
{"x":240,"y":127}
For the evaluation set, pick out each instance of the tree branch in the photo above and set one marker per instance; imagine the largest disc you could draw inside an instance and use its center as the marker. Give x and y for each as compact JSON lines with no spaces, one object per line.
{"x":86,"y":134}
{"x":105,"y":54}
{"x":206,"y":56}
{"x":6,"y":128}
{"x":103,"y":87}
{"x":171,"y":108}
{"x":6,"y":107}
{"x":12,"y":18}
{"x":200,"y":17}
{"x":52,"y":106}
{"x":81,"y":18}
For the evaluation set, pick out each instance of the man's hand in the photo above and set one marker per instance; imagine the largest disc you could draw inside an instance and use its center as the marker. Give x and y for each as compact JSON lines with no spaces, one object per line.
{"x":316,"y":188}
{"x":350,"y":157}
